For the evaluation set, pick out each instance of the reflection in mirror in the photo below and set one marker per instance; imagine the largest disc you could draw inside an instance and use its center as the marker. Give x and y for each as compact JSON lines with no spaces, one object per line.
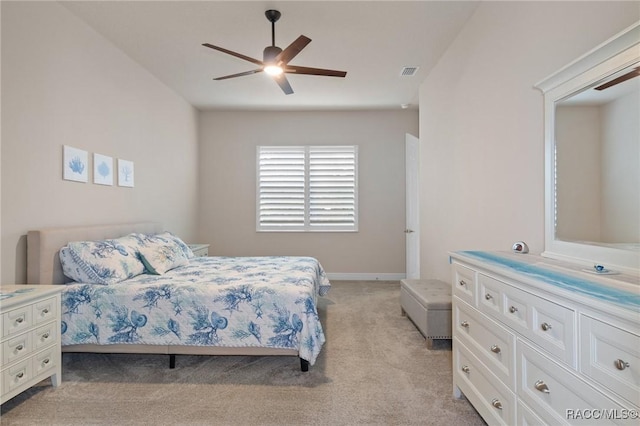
{"x":597,"y":158}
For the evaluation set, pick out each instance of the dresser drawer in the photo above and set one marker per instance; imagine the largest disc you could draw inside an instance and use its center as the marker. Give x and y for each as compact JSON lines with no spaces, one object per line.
{"x":526,"y":417}
{"x":611,"y":357}
{"x":554,"y":392}
{"x":17,"y":320}
{"x":464,"y":283}
{"x":493,"y":344}
{"x":550,"y":325}
{"x":493,"y":400}
{"x":16,"y":348}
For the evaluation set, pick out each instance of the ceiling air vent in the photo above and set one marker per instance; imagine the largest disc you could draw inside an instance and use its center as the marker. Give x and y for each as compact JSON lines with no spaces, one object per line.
{"x":408,"y":71}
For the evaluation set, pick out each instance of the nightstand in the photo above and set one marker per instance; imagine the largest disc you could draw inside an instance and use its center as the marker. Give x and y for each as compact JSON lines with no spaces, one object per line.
{"x":200,"y":250}
{"x":30,"y":330}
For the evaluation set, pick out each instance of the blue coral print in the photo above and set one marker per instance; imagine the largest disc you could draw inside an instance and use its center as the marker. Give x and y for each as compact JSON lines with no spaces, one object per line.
{"x":76,"y":165}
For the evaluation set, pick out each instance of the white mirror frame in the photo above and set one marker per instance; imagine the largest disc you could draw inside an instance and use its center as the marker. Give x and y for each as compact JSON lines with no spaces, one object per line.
{"x":617,"y":53}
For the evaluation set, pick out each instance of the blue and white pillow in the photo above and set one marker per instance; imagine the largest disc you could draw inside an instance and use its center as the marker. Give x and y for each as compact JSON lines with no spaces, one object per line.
{"x":165,"y":238}
{"x":101,"y":262}
{"x":162,"y":258}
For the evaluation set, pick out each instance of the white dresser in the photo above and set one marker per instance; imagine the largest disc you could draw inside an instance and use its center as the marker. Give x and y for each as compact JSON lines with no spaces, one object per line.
{"x":30,"y":324}
{"x":538,"y":341}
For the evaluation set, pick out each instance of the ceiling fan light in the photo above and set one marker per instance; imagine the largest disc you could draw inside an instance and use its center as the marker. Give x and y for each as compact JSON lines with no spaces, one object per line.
{"x":273,"y":70}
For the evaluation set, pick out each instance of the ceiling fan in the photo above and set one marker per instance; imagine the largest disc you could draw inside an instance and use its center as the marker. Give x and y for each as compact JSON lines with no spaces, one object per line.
{"x":275,"y":61}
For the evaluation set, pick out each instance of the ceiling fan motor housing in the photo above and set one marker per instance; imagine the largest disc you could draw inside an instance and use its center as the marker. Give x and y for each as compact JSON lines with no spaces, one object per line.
{"x":270,"y":53}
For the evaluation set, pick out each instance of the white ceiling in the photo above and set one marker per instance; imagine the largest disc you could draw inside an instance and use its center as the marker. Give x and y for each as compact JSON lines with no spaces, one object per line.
{"x":371,"y":40}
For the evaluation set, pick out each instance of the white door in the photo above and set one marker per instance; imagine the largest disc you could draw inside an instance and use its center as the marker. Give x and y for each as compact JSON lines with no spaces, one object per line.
{"x":412,"y":229}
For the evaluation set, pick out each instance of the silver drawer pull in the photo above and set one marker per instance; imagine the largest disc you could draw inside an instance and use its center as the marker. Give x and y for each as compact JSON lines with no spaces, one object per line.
{"x":541,"y":386}
{"x":496,"y":403}
{"x":19,"y":347}
{"x":20,"y":320}
{"x":620,"y":364}
{"x":465,"y":369}
{"x":462,"y":282}
{"x":495,"y":349}
{"x":20,"y":375}
{"x":45,"y":361}
{"x":488,"y":296}
{"x":45,"y":311}
{"x":545,"y":326}
{"x":464,"y":324}
{"x":45,"y":335}
{"x":513,"y":309}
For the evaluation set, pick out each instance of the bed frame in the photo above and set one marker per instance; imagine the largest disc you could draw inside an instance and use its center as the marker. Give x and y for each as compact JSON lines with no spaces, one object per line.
{"x":43,"y":267}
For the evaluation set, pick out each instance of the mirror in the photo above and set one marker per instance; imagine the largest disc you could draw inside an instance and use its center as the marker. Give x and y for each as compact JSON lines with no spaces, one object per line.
{"x":597,"y":162}
{"x":592,"y":156}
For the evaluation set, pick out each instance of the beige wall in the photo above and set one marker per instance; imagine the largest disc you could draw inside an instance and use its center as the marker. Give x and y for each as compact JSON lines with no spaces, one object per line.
{"x":481,"y":123}
{"x":63,"y":84}
{"x":228,"y":143}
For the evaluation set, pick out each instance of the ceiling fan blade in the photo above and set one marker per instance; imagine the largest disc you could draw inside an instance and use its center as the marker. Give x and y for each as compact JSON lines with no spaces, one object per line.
{"x":240,"y":74}
{"x":283,"y":83}
{"x":294,"y":69}
{"x":292,"y":50}
{"x":232,"y":53}
{"x":634,"y":73}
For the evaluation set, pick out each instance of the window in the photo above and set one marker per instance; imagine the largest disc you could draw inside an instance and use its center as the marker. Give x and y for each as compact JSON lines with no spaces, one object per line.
{"x":307,"y":188}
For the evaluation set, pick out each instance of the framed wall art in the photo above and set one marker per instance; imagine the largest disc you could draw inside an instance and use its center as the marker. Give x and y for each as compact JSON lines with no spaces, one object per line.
{"x":75,"y":164}
{"x":102,"y":169}
{"x":125,"y":173}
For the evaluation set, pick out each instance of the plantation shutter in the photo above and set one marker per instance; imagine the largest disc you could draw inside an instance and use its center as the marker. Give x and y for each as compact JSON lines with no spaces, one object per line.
{"x":307,"y":188}
{"x":332,"y":187}
{"x":281,"y":187}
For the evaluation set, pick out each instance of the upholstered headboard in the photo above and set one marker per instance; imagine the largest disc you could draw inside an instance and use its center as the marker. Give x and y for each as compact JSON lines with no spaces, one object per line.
{"x":43,"y":262}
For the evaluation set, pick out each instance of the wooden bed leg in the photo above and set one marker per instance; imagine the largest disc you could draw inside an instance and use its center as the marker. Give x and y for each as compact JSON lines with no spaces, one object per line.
{"x":172,"y":361}
{"x":304,"y":365}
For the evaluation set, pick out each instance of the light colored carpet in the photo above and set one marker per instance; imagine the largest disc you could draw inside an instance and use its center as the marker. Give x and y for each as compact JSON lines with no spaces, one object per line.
{"x":374,"y":369}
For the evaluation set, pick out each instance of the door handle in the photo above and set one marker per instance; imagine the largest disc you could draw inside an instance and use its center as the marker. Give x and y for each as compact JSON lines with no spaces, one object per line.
{"x":408,"y":231}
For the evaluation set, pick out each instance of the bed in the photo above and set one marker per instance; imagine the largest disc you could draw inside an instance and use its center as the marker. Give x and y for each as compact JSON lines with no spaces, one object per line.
{"x":204,"y":306}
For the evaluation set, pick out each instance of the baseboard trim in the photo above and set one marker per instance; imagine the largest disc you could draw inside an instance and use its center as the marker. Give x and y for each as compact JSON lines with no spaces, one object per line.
{"x":338,"y":276}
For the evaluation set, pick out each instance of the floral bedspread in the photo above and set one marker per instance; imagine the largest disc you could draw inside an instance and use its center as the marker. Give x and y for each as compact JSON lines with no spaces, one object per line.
{"x":212,"y":301}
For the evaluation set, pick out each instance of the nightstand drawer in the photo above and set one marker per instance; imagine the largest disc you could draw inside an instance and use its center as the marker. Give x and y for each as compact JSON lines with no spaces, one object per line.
{"x":46,"y":310}
{"x":17,"y":320}
{"x":16,"y":376}
{"x":45,"y":335}
{"x":45,"y":360}
{"x":16,"y":348}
